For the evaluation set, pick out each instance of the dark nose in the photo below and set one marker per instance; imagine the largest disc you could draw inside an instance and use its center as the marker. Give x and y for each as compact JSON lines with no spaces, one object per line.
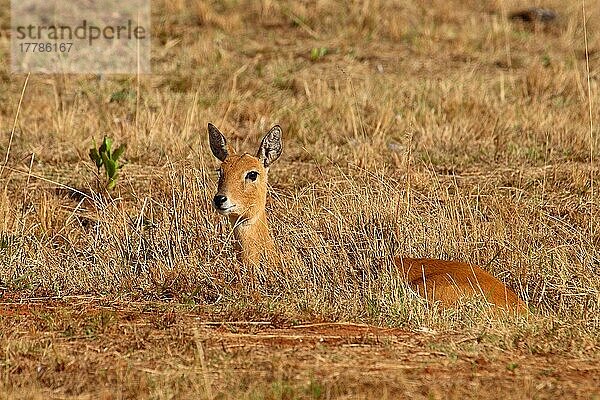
{"x":219,"y":200}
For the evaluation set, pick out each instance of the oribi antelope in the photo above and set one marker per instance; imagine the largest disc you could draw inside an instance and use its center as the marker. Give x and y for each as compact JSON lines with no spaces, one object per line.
{"x":242,"y":196}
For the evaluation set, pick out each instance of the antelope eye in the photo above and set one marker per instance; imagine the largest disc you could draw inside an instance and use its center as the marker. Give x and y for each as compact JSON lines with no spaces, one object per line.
{"x":252,"y":175}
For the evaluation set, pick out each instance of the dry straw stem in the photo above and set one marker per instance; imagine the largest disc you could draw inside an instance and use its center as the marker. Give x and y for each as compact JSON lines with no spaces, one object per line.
{"x":589,"y":98}
{"x":494,"y":158}
{"x":16,"y":120}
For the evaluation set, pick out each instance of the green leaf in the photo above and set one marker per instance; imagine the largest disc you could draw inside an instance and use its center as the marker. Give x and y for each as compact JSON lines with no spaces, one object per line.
{"x":109,"y":165}
{"x":106,"y":145}
{"x":112,"y":182}
{"x":314,"y":54}
{"x":512,"y":366}
{"x":317,"y":53}
{"x":103,"y":157}
{"x":95,"y":156}
{"x":118,"y":152}
{"x":111,"y":168}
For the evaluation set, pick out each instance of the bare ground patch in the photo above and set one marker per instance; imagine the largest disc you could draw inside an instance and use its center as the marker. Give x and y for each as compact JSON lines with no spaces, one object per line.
{"x":92,"y":349}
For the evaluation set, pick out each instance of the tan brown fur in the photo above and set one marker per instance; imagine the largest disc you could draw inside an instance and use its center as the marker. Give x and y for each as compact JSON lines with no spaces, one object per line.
{"x":250,"y":226}
{"x":248,"y":198}
{"x":436,"y":280}
{"x":449,"y":281}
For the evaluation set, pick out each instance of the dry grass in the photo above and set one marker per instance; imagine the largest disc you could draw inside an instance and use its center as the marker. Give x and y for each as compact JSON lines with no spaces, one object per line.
{"x":436,"y":129}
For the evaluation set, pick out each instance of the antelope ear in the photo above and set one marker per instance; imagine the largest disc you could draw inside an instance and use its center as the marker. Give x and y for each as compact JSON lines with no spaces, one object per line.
{"x":270,"y":147}
{"x":218,"y":143}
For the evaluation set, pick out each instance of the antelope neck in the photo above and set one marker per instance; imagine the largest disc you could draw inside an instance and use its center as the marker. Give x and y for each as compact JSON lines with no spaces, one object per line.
{"x":253,"y":237}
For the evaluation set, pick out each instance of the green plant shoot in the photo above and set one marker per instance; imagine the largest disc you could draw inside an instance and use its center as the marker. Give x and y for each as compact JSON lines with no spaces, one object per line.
{"x":103,"y":156}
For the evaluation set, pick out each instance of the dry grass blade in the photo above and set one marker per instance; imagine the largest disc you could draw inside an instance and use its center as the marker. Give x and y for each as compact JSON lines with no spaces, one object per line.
{"x":440,"y":129}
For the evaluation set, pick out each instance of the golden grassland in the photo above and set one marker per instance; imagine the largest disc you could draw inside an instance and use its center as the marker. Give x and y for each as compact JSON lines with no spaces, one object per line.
{"x":427,"y":129}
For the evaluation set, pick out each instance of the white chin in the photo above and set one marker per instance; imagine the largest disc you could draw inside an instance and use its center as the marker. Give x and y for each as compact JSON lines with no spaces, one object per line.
{"x":225,"y":211}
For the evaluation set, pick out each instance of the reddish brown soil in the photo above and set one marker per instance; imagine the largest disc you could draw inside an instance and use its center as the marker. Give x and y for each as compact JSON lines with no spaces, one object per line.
{"x":87,"y":348}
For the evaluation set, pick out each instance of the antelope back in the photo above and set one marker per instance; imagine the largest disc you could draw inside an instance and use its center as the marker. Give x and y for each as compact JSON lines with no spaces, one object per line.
{"x":449,"y":281}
